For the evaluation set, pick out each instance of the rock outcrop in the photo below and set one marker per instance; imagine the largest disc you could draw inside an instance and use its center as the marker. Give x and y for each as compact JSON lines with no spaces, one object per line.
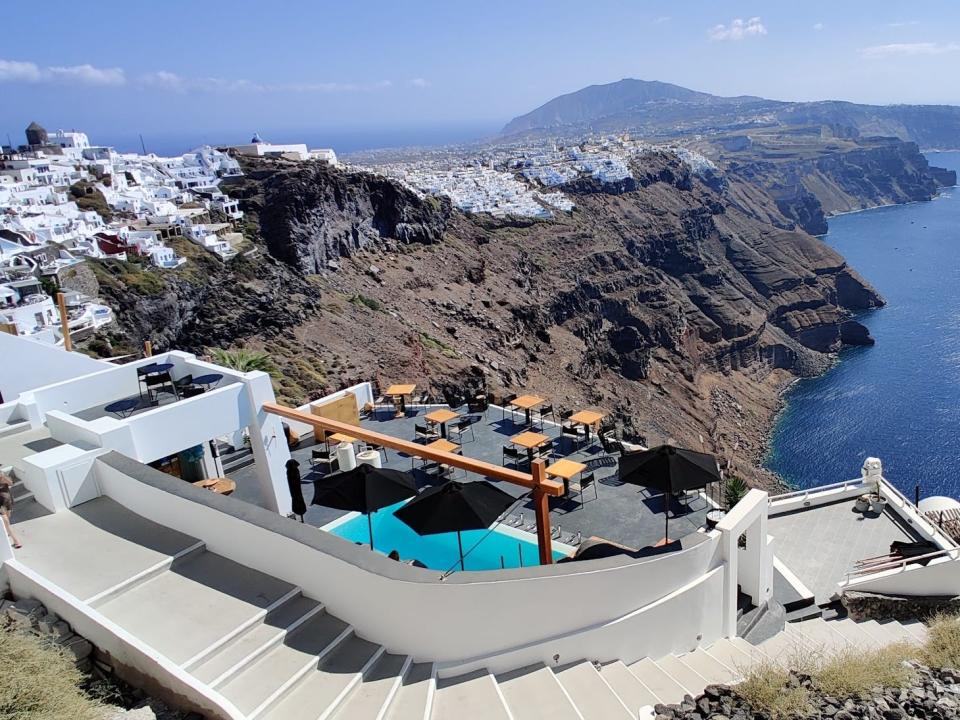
{"x":681,"y":306}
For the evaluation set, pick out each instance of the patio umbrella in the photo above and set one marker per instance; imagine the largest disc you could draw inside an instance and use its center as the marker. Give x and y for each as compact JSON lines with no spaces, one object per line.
{"x":454,"y":507}
{"x":668,"y":469}
{"x":299,"y":506}
{"x":364,"y":489}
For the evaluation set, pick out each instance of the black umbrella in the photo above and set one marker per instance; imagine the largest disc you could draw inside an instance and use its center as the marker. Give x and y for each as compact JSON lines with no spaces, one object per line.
{"x":454,"y":507}
{"x":296,"y":491}
{"x":364,"y":489}
{"x":668,"y":469}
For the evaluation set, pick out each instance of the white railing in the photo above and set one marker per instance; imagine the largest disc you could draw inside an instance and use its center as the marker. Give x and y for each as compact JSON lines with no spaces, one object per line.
{"x":901,"y":564}
{"x":842,"y":486}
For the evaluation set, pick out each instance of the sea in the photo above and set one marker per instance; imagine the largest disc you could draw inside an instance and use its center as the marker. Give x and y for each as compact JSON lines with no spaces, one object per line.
{"x":898,"y":400}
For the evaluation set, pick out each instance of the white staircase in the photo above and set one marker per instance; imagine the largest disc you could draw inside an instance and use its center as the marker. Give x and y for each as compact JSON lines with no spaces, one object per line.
{"x":276,"y":654}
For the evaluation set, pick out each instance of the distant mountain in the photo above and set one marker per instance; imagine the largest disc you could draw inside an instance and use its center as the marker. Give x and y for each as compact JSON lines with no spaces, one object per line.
{"x":599,"y":101}
{"x":660,"y":109}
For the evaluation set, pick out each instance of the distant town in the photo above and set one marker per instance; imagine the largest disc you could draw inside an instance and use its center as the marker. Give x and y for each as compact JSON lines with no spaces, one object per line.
{"x":64,"y":200}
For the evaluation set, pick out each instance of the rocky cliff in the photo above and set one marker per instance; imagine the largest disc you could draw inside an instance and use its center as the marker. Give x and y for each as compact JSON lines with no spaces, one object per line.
{"x":683,"y":307}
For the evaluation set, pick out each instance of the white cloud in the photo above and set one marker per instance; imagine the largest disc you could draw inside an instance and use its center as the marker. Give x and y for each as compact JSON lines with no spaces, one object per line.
{"x":662,"y":19}
{"x":738,"y":29}
{"x":166,"y":80}
{"x":818,"y":26}
{"x":904,"y":23}
{"x":420,"y":83}
{"x":14,"y":71}
{"x":18,"y":71}
{"x":908,"y":49}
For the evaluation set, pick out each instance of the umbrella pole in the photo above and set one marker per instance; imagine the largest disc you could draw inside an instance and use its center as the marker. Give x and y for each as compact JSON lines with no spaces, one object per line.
{"x":460,"y":546}
{"x":667,"y":497}
{"x":370,"y":526}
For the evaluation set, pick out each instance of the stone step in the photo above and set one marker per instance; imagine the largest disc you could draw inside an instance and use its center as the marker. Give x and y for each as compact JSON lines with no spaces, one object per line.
{"x":318,"y":693}
{"x":371,"y":698}
{"x":246,"y":647}
{"x":632,"y":693}
{"x":898,"y":633}
{"x":709,"y":668}
{"x":875,"y":630}
{"x":753,"y":651}
{"x":20,"y":492}
{"x":474,"y":696}
{"x":590,"y":693}
{"x":658,"y":681}
{"x":818,"y":636}
{"x":414,"y":698}
{"x":690,"y":680}
{"x":533,"y":693}
{"x":200,"y":603}
{"x":785,"y":648}
{"x":855,"y":635}
{"x":731,"y":656}
{"x":257,"y":685}
{"x":915,"y":628}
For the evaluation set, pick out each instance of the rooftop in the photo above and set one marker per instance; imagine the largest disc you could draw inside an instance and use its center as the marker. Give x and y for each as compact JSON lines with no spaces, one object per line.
{"x":624,"y":514}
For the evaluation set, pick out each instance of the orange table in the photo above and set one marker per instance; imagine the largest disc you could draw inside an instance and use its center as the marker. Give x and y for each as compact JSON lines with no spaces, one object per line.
{"x":443,"y":445}
{"x":587,"y":418}
{"x":221,"y":486}
{"x":530,"y":441}
{"x":527,"y":403}
{"x":400,"y":393}
{"x":441,"y":417}
{"x":340,"y":437}
{"x":565,"y":470}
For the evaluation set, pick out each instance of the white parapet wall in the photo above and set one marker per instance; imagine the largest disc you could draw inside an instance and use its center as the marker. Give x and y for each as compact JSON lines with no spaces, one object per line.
{"x":28,"y":364}
{"x":528,"y":614}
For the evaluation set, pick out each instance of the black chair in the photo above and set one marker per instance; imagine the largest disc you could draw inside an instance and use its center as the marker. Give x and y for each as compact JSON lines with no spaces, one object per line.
{"x":611,"y":446}
{"x":584,"y":483}
{"x":546,"y":449}
{"x":324,"y":458}
{"x":183,"y":383}
{"x":422,"y":432}
{"x":160,"y":383}
{"x":517,"y":457}
{"x":191,"y":391}
{"x":572,"y":432}
{"x":460,"y":428}
{"x":544,"y":411}
{"x":479,"y":404}
{"x":564,"y":416}
{"x":507,"y":405}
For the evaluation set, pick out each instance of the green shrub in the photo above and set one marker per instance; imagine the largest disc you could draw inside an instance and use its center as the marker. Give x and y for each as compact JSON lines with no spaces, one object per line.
{"x":244,"y":360}
{"x":768,"y":690}
{"x":734,"y":489}
{"x":362,"y":300}
{"x":41,"y":681}
{"x":854,"y":673}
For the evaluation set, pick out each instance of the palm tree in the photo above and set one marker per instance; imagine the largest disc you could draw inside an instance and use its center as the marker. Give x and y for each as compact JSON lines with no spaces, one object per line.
{"x":244,"y":360}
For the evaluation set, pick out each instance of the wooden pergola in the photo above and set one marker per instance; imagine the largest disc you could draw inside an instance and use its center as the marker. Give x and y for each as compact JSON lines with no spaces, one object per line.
{"x":536,"y":480}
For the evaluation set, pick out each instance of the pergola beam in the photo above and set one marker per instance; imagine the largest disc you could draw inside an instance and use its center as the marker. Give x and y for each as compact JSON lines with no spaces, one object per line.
{"x":536,"y":480}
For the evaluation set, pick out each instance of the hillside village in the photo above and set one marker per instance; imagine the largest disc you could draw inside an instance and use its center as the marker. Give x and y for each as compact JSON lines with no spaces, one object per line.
{"x":64,"y":200}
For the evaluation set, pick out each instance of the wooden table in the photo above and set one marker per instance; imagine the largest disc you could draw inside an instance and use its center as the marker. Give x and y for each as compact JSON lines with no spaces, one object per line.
{"x":441,"y":417}
{"x":443,"y":445}
{"x":587,"y":418}
{"x":221,"y":486}
{"x":527,"y":403}
{"x":339,"y":437}
{"x":565,"y":470}
{"x":401,"y":392}
{"x":530,"y":441}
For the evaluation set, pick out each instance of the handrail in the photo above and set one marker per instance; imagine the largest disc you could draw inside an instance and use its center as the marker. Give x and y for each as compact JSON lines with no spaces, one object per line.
{"x":819,"y":489}
{"x":896,"y":564}
{"x":932,"y":527}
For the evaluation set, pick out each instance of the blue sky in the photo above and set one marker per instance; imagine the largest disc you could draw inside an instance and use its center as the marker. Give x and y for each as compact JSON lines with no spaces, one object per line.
{"x":217,"y":70}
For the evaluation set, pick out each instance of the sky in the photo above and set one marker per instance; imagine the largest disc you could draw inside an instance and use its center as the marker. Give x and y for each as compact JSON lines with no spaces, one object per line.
{"x":361,"y":73}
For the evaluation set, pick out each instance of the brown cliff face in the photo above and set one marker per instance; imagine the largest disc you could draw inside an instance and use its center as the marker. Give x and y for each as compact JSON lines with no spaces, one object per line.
{"x":667,"y":303}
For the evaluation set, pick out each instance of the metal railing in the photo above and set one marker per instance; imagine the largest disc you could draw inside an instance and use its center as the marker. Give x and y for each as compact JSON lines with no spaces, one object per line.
{"x":845,"y":485}
{"x":924,"y":522}
{"x":894,"y":564}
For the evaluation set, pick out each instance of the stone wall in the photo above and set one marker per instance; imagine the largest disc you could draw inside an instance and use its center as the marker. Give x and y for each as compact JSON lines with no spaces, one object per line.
{"x":871,"y":606}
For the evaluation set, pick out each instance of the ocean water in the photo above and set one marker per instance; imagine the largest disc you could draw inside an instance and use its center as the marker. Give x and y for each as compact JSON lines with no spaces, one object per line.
{"x":900,"y":399}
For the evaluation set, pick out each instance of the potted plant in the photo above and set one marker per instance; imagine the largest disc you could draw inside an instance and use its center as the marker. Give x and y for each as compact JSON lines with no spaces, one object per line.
{"x":863,"y":503}
{"x":733,"y":491}
{"x":872,"y":471}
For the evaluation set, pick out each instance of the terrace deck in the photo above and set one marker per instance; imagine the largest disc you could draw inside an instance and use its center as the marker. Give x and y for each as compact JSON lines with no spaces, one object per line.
{"x":625,"y":514}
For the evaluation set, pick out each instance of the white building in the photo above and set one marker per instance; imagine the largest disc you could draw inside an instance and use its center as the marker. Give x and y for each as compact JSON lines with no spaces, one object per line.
{"x":259,"y":148}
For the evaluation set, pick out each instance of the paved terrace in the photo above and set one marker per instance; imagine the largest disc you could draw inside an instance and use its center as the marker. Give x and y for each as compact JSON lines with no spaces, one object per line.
{"x":144,"y":404}
{"x":622,"y":513}
{"x":820,"y":544}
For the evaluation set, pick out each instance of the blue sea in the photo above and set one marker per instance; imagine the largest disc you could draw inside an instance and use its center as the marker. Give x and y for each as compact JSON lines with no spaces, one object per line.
{"x":900,"y":399}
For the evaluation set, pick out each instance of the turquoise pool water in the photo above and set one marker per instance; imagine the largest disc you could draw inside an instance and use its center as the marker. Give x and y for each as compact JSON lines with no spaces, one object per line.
{"x":483,"y":550}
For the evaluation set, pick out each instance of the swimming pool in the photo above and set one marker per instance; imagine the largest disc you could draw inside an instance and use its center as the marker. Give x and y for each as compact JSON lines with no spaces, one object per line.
{"x":503,"y":547}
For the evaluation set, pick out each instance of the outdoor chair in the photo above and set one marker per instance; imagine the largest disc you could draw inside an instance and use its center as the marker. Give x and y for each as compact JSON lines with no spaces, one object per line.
{"x":191,"y":391}
{"x":546,"y":449}
{"x":460,"y":427}
{"x":508,"y":406}
{"x":160,"y":383}
{"x":422,"y":432}
{"x":478,"y":405}
{"x":323,"y":457}
{"x":544,"y":411}
{"x":517,"y":457}
{"x":183,"y":383}
{"x":572,"y":433}
{"x":584,"y":483}
{"x":611,"y":446}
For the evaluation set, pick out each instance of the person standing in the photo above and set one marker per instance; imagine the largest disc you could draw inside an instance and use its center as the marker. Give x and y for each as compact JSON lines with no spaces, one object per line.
{"x":6,"y":506}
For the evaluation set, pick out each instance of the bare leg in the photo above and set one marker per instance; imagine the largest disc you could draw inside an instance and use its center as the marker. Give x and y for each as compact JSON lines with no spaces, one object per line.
{"x":9,"y":528}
